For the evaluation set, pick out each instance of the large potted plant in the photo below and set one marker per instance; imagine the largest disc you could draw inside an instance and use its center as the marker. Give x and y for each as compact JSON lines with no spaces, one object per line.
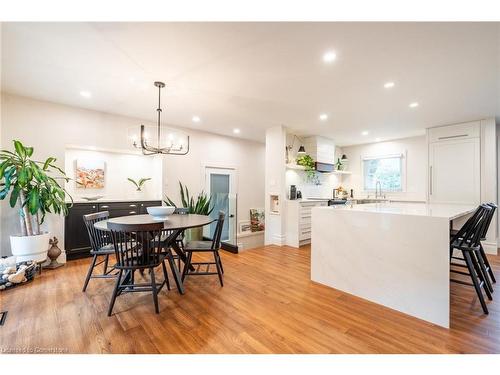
{"x":34,"y":189}
{"x":200,"y":206}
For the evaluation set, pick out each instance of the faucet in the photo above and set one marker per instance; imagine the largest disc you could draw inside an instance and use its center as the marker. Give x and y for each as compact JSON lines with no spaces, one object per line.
{"x":378,"y":190}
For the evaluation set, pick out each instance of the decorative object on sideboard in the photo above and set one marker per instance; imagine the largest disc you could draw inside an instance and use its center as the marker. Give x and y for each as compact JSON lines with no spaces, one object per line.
{"x":257,"y":219}
{"x":90,"y":173}
{"x":53,"y":254}
{"x":139,"y":183}
{"x":93,"y":198}
{"x":34,"y":187}
{"x":288,"y":148}
{"x":244,"y":226}
{"x":168,"y":141}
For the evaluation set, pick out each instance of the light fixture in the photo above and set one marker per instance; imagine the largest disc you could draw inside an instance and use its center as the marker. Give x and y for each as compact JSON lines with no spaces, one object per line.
{"x":389,"y":85}
{"x":323,"y":117}
{"x":344,"y":158}
{"x":329,"y":57}
{"x":301,"y":150}
{"x":196,"y":119}
{"x":85,"y":94}
{"x":413,"y":105}
{"x":364,"y":132}
{"x":288,"y":148}
{"x":176,"y":143}
{"x":236,"y":131}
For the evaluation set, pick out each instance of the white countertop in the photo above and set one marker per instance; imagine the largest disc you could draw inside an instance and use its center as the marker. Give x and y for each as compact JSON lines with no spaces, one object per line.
{"x":449,"y":211}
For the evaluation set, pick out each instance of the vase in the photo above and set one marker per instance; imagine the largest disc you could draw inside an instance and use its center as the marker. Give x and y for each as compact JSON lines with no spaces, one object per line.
{"x":30,"y":247}
{"x":194,"y":234}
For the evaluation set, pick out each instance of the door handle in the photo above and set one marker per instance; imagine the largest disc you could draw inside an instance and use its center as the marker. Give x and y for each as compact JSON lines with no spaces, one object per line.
{"x":430,"y":180}
{"x":231,"y":215}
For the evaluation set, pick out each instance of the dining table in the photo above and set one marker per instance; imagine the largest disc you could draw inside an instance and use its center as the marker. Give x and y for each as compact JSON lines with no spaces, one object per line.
{"x":173,"y":224}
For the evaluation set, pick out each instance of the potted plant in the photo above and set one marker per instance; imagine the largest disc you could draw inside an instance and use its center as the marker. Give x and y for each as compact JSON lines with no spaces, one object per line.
{"x":34,"y":189}
{"x":139,"y":183}
{"x":309,"y":167}
{"x":200,"y":206}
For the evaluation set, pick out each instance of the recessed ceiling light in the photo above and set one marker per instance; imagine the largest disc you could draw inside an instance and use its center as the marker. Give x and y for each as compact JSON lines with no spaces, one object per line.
{"x":413,"y":105}
{"x":236,"y":131}
{"x":323,"y":117}
{"x":389,"y":85}
{"x":377,"y":139}
{"x":85,"y":94}
{"x":329,"y":57}
{"x":364,"y":133}
{"x":196,"y":119}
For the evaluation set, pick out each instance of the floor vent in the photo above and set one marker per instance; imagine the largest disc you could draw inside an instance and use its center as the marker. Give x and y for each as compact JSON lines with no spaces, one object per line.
{"x":3,"y":316}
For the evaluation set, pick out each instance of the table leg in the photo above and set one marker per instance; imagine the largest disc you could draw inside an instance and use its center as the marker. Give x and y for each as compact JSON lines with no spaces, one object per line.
{"x":175,"y":271}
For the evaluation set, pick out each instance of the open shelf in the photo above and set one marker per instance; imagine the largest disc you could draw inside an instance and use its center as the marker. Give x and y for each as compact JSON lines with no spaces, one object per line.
{"x":295,"y":166}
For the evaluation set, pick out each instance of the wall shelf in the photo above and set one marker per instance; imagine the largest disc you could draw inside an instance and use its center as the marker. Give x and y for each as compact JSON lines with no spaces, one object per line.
{"x":295,"y":166}
{"x":342,"y":172}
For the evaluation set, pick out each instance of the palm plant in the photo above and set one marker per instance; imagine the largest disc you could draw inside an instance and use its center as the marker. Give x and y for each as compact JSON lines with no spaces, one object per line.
{"x":140,"y":183}
{"x":200,"y":206}
{"x":31,"y":187}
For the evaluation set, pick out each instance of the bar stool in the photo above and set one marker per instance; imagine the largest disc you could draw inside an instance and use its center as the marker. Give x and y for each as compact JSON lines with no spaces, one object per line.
{"x":205,"y":247}
{"x":468,"y":241}
{"x":101,"y":245}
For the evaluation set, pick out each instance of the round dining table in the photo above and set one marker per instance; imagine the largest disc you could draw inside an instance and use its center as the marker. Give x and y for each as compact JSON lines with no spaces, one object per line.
{"x":175,"y":224}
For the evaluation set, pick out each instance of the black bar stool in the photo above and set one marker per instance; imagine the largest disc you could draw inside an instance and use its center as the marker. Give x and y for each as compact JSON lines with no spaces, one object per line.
{"x":205,"y":247}
{"x":468,"y":241}
{"x":101,"y":245}
{"x":138,"y":247}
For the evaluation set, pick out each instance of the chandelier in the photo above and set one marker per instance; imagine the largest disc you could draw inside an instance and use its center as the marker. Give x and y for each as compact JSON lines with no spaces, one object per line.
{"x":167,"y":141}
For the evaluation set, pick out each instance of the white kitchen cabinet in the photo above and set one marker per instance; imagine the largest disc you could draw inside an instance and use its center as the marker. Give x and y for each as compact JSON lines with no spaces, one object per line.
{"x":298,"y":221}
{"x":455,"y":164}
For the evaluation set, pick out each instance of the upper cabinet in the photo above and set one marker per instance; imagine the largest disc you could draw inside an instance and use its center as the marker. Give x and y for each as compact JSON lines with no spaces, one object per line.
{"x":321,"y":149}
{"x":455,"y":164}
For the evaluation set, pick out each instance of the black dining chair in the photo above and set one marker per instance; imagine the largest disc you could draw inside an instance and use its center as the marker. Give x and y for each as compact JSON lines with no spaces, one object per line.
{"x":483,"y":238}
{"x":138,"y":247}
{"x":205,"y":247}
{"x":101,"y":246}
{"x":468,"y":241}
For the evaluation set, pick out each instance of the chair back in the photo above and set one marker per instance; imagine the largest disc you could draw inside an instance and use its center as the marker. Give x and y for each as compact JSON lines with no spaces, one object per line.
{"x":181,"y":211}
{"x":98,"y":238}
{"x":488,"y":220}
{"x":218,"y":230}
{"x":137,"y":245}
{"x":471,"y":232}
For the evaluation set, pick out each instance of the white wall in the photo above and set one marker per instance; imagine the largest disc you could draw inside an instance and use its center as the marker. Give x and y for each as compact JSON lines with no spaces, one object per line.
{"x":117,"y":168}
{"x":50,"y":128}
{"x":415,"y":151}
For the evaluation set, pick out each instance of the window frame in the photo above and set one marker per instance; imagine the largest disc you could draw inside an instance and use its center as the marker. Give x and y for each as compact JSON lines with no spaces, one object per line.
{"x":401,"y":156}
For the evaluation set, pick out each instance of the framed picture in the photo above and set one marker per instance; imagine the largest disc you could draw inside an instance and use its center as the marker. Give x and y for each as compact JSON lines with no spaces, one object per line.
{"x":244,"y":226}
{"x":89,"y":174}
{"x":257,"y":217}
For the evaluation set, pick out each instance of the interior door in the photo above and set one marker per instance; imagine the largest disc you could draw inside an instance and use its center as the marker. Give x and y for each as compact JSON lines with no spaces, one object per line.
{"x":454,"y":171}
{"x":220,"y":185}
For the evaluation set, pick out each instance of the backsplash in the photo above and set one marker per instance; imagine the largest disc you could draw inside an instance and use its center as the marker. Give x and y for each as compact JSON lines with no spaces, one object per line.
{"x":328,"y":182}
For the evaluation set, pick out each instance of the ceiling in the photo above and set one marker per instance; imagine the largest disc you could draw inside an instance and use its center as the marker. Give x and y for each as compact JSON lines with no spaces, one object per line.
{"x":253,"y":76}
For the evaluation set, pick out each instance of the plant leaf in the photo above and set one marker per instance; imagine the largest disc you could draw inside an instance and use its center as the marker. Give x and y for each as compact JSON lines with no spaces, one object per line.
{"x":20,"y":149}
{"x":14,"y":196}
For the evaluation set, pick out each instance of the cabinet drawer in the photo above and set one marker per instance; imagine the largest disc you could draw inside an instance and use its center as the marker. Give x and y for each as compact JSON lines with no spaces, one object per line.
{"x":118,"y":206}
{"x":304,"y":234}
{"x":305,"y":226}
{"x":455,"y":132}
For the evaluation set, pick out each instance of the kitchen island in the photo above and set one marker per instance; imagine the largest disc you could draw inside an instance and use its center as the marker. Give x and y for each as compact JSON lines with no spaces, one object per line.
{"x":393,"y":254}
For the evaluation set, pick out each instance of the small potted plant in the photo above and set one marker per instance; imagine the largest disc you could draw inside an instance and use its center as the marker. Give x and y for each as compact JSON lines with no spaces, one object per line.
{"x":139,"y":183}
{"x":34,"y":189}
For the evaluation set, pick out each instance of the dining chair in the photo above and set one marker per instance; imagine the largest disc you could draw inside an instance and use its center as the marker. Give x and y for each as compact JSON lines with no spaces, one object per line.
{"x":101,"y":246}
{"x":205,"y":247}
{"x":468,"y":241}
{"x":138,"y":247}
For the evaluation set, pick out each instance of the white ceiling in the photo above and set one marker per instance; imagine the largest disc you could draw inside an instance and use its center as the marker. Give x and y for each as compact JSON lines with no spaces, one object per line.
{"x":254,"y":76}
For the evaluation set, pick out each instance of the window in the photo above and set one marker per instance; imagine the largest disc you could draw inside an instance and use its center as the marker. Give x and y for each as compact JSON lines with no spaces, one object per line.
{"x":386,"y":169}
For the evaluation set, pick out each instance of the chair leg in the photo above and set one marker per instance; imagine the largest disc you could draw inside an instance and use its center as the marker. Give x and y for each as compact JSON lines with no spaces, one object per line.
{"x":220,"y":262}
{"x":155,"y":291}
{"x":487,"y":262}
{"x":89,"y":273}
{"x":484,"y":275}
{"x":106,"y":260}
{"x":115,"y":292}
{"x":474,"y":277}
{"x":185,"y":270}
{"x":165,"y":274}
{"x":219,"y":270}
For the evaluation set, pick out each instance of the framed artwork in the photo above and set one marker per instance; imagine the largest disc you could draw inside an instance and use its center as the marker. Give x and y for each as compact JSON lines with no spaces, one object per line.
{"x":257,"y":217}
{"x":89,"y":174}
{"x":244,"y":226}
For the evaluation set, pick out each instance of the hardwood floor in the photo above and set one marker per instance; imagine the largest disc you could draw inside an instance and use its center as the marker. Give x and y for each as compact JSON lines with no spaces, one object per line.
{"x":268,"y":305}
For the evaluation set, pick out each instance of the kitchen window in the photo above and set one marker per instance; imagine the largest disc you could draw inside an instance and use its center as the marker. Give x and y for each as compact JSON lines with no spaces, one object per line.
{"x":386,"y":169}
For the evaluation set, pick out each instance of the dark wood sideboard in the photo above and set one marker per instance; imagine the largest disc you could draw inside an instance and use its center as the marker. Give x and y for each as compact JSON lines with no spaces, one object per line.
{"x":76,"y":238}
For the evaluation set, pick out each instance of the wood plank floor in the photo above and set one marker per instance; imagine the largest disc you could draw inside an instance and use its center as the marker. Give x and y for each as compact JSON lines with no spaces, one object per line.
{"x":268,"y":305}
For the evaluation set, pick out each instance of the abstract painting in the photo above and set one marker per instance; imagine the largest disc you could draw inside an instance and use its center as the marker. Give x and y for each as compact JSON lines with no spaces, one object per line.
{"x":257,"y":217}
{"x":90,"y":174}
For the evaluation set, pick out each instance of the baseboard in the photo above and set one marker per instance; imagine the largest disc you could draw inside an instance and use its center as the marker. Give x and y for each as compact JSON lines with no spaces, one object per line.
{"x":490,"y":248}
{"x":279,"y":239}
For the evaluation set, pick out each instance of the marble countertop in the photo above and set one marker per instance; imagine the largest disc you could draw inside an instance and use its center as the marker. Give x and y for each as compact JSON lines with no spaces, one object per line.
{"x":448,"y":211}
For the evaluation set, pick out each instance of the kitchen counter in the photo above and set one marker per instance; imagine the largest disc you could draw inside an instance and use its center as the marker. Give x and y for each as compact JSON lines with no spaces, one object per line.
{"x":393,"y":254}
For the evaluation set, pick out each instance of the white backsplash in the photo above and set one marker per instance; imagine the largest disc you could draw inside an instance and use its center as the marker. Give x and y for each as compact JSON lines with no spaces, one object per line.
{"x":328,"y":182}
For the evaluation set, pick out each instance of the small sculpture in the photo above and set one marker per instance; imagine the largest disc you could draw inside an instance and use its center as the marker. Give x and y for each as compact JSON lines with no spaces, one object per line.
{"x":53,"y":254}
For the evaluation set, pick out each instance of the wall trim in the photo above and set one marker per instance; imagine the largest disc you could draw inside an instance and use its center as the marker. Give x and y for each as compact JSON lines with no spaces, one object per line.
{"x":490,"y":247}
{"x":279,"y":239}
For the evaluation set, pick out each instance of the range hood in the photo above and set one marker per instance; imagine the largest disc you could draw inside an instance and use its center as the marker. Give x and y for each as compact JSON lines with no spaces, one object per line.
{"x":322,"y":150}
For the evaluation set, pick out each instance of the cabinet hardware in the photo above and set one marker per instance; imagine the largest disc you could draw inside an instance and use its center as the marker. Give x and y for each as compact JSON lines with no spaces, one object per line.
{"x":132,"y":205}
{"x":132,"y":212}
{"x":93,"y":206}
{"x":454,"y":136}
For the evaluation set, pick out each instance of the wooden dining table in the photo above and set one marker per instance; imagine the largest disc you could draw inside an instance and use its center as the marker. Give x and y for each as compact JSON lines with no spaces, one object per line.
{"x":174,"y":224}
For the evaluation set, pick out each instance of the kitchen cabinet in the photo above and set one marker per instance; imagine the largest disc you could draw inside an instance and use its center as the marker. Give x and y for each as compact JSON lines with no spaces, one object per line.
{"x":76,"y":238}
{"x":298,"y":221}
{"x":455,"y":164}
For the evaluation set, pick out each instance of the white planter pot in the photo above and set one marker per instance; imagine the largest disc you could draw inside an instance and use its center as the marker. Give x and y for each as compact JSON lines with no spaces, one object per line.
{"x":30,"y":247}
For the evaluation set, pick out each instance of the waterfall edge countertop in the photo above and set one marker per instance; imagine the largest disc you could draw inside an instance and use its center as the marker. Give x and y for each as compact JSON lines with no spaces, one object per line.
{"x":393,"y":254}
